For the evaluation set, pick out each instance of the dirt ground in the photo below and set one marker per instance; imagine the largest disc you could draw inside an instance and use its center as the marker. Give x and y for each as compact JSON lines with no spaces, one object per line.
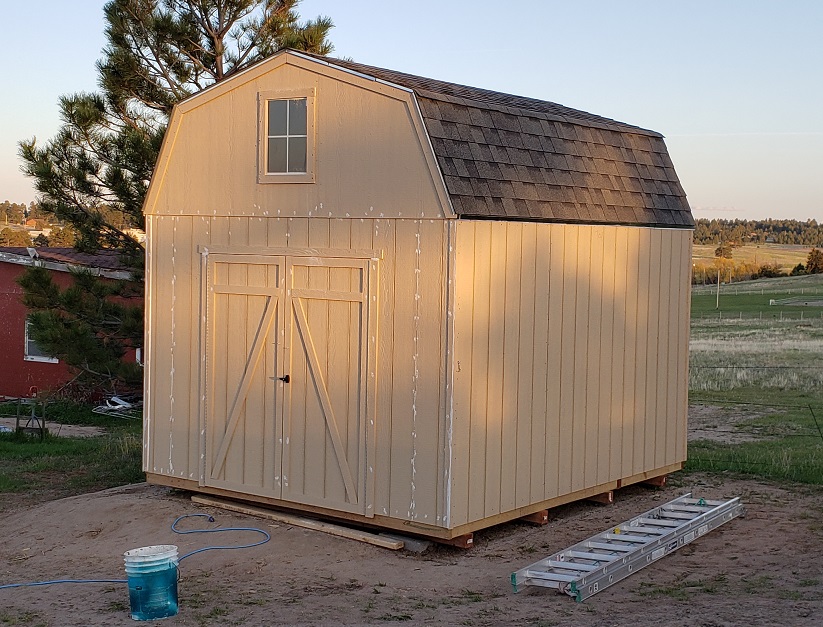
{"x":763,"y":569}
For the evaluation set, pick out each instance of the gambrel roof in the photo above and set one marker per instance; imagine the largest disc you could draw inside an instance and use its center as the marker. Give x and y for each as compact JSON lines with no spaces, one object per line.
{"x":516,"y":158}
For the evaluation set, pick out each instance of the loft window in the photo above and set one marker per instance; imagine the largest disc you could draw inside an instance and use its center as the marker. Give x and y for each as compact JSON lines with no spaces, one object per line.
{"x":286,"y":136}
{"x":286,"y":139}
{"x":34,"y":352}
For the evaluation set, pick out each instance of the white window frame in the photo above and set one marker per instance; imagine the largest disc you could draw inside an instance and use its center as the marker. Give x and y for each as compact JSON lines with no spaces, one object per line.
{"x":263,"y":98}
{"x":40,"y":358}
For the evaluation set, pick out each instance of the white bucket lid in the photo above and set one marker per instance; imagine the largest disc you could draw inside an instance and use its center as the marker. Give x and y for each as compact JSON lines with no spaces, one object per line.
{"x":160,"y":551}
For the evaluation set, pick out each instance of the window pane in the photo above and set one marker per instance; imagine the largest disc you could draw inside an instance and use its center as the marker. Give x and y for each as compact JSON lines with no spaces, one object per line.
{"x":277,"y":117}
{"x":297,"y":116}
{"x":277,"y":155}
{"x":297,"y":154}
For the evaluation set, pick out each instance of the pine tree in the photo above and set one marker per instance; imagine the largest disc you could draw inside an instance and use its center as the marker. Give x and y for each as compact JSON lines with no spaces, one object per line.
{"x":94,"y":174}
{"x":814,"y":263}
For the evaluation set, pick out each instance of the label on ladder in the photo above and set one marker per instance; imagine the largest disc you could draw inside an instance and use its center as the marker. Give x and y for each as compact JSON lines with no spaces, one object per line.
{"x":587,"y":567}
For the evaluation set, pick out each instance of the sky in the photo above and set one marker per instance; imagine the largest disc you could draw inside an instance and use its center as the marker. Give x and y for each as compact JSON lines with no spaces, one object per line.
{"x":735,"y":86}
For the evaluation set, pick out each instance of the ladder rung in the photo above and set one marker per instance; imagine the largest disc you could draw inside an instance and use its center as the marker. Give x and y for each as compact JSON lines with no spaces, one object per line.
{"x":625,"y":537}
{"x":688,"y":508}
{"x":703,"y":501}
{"x":658,"y":522}
{"x":639,"y":529}
{"x":679,"y":515}
{"x":572,"y":566}
{"x":610,"y":547}
{"x":546,"y":576}
{"x":602,"y":558}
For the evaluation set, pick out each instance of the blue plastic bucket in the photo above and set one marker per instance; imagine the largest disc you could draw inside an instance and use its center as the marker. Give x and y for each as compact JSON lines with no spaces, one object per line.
{"x":152,"y":577}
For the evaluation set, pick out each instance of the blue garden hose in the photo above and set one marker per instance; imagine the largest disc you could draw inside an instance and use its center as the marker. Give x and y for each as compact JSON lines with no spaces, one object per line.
{"x":174,"y":528}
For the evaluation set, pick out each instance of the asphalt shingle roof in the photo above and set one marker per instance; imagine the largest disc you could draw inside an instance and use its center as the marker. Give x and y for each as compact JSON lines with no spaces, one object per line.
{"x":510,"y":157}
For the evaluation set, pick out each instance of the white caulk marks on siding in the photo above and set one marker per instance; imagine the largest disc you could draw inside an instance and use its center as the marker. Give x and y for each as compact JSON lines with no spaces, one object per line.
{"x":412,"y":514}
{"x":171,"y":352}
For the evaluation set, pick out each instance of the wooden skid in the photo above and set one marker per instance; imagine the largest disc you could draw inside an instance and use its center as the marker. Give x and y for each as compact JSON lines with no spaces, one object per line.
{"x":606,"y":498}
{"x":299,"y":521}
{"x":538,"y":518}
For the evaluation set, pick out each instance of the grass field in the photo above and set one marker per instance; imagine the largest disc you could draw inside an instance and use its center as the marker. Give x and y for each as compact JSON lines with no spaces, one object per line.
{"x":758,"y":254}
{"x":751,"y":358}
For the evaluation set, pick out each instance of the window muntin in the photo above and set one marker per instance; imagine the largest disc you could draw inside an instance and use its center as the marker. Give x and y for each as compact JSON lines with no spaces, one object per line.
{"x":286,"y":123}
{"x":286,"y":136}
{"x":33,"y":351}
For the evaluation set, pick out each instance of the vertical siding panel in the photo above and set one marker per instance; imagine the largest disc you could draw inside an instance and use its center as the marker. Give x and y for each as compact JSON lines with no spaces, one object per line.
{"x":151,"y":408}
{"x":494,"y":377}
{"x":641,"y":357}
{"x":180,"y":347}
{"x":619,"y":391}
{"x":568,"y":354}
{"x":322,"y":479}
{"x":479,"y":370}
{"x":662,"y":373}
{"x":277,"y":230}
{"x":240,"y":313}
{"x":652,"y":350}
{"x":402,"y":491}
{"x":548,"y":316}
{"x":511,"y":353}
{"x":257,"y":416}
{"x":200,"y":235}
{"x":526,"y":381}
{"x":631,"y":393}
{"x":429,"y":382}
{"x":163,"y":323}
{"x":676,"y":281}
{"x":683,"y":358}
{"x":384,"y":240}
{"x":463,"y":320}
{"x":594,"y":355}
{"x":217,"y":339}
{"x":577,"y":443}
{"x":605,"y":417}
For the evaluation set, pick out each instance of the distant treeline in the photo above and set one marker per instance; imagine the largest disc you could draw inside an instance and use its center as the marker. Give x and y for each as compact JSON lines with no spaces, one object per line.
{"x":741,"y":232}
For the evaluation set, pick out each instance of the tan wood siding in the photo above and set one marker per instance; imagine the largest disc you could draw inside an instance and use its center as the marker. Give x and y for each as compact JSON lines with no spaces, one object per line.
{"x":372,"y":159}
{"x":576,"y":351}
{"x":405,"y":455}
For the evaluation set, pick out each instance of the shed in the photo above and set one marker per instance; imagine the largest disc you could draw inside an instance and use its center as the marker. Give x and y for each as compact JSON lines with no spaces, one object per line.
{"x":410,"y":303}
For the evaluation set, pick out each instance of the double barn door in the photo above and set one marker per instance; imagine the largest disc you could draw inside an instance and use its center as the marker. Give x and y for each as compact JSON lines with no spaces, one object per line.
{"x":286,"y":377}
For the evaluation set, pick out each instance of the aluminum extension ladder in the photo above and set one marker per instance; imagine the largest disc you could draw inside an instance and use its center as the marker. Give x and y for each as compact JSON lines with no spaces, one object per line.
{"x":590,"y":566}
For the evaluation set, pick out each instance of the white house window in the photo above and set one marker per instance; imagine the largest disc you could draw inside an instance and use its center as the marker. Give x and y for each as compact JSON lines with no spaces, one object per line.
{"x":33,"y":351}
{"x":286,"y":139}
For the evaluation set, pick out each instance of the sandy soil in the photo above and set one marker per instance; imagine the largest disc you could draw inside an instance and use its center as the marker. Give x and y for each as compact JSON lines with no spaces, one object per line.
{"x":55,"y":428}
{"x":763,"y":569}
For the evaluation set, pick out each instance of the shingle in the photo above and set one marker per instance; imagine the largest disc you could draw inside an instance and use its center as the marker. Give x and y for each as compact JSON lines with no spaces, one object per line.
{"x":625,"y":215}
{"x":538,"y":158}
{"x":471,"y":168}
{"x":429,"y":108}
{"x":565,"y":211}
{"x":509,"y":172}
{"x":520,"y":157}
{"x":479,"y":117}
{"x":488,"y":170}
{"x":447,"y":166}
{"x":531,"y":126}
{"x":476,"y":134}
{"x":505,"y":121}
{"x":511,"y":139}
{"x":500,"y":154}
{"x":521,"y":208}
{"x":539,"y":210}
{"x":500,"y":189}
{"x":579,"y":179}
{"x":549,"y":129}
{"x":458,"y":185}
{"x":454,"y":113}
{"x":481,"y":152}
{"x":451,"y":131}
{"x":460,"y":167}
{"x":492,"y":136}
{"x":531,"y":142}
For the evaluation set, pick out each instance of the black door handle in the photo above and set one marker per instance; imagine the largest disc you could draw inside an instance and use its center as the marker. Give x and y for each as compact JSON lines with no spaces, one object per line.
{"x":285,"y":378}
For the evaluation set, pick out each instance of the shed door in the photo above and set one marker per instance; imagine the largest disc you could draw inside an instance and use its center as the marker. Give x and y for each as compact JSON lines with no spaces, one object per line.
{"x":307,"y":318}
{"x":243,"y":349}
{"x":325,"y":425}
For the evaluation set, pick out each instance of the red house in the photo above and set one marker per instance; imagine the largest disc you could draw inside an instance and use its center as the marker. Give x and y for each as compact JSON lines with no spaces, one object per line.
{"x":24,"y":369}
